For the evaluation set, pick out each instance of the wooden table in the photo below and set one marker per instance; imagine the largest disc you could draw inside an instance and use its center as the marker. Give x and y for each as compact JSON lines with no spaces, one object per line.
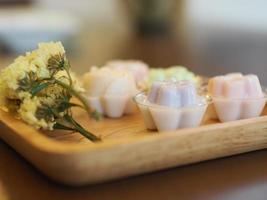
{"x":239,"y":177}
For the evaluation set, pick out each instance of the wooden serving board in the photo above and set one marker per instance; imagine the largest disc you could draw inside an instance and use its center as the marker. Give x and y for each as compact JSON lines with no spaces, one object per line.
{"x":128,"y":148}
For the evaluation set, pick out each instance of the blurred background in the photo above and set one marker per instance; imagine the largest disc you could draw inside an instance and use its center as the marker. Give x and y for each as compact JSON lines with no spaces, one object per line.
{"x":207,"y":36}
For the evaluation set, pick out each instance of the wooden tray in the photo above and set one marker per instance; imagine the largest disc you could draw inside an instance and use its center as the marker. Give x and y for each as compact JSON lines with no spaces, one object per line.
{"x":128,"y":148}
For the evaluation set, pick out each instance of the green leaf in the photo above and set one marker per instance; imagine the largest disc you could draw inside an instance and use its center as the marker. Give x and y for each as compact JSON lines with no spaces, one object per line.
{"x":38,"y":88}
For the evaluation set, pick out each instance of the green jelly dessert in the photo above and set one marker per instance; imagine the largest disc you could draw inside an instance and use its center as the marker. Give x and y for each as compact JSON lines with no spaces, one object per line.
{"x":177,"y":73}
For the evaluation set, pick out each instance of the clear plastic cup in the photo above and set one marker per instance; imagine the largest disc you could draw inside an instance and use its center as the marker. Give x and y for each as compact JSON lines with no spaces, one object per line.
{"x":164,"y":118}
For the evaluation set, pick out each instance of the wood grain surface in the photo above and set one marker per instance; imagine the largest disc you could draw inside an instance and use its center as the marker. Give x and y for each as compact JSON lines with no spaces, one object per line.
{"x":128,"y":148}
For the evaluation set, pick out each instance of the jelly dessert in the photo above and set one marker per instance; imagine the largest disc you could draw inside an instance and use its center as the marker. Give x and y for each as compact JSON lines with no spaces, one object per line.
{"x":236,"y":96}
{"x":110,"y":91}
{"x":170,"y":105}
{"x":177,"y":73}
{"x":137,"y":68}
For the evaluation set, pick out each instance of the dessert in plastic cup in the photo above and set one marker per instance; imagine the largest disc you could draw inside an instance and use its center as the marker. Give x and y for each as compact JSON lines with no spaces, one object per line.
{"x":170,"y":105}
{"x":110,"y":92}
{"x":236,"y":96}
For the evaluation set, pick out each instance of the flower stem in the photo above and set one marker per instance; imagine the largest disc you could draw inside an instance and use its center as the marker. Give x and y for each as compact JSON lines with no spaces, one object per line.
{"x":68,"y":73}
{"x":81,"y":130}
{"x":76,"y":94}
{"x":76,"y":125}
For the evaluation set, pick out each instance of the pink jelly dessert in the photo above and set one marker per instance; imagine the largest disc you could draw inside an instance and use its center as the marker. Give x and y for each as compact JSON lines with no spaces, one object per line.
{"x":171,"y":105}
{"x":137,"y":68}
{"x":236,"y":96}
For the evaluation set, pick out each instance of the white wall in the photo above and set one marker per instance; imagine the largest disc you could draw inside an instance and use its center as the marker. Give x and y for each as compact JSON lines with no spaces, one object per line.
{"x":233,"y":13}
{"x":228,"y":35}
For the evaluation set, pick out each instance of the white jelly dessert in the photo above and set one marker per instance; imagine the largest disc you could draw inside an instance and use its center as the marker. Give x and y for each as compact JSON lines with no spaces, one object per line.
{"x":236,"y":96}
{"x":110,"y":91}
{"x":170,"y":105}
{"x":137,"y":68}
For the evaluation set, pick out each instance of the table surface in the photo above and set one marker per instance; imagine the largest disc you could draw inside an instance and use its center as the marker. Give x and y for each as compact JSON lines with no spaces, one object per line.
{"x":241,"y":177}
{"x":238,"y":177}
